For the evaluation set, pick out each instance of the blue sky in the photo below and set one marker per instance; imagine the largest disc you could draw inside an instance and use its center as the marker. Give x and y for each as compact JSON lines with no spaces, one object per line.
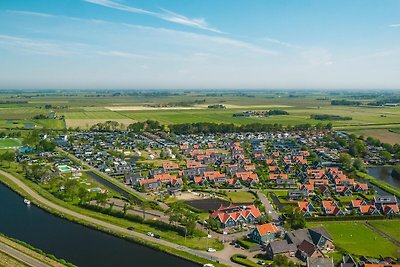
{"x":200,"y":44}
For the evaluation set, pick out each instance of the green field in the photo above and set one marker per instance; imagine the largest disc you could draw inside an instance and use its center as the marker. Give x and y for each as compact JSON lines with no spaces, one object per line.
{"x":86,"y":108}
{"x":356,"y":238}
{"x":389,"y":227}
{"x":9,"y":142}
{"x":240,"y":197}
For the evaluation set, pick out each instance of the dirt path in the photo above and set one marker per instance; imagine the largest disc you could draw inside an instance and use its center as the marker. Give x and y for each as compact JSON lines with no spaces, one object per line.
{"x":45,"y":202}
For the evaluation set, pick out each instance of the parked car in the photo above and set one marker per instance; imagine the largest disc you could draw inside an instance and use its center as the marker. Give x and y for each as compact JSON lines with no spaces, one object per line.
{"x":130,"y":228}
{"x":261,"y":262}
{"x":211,"y":250}
{"x":157,"y":236}
{"x":150,"y":234}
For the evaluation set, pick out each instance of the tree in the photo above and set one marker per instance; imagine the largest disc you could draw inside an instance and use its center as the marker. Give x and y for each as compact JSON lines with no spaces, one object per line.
{"x":213,"y":224}
{"x":83,"y":195}
{"x":294,"y":218}
{"x":7,"y":156}
{"x":179,"y":214}
{"x":358,"y":164}
{"x":345,"y":160}
{"x":264,"y":219}
{"x":101,"y":198}
{"x":385,"y":155}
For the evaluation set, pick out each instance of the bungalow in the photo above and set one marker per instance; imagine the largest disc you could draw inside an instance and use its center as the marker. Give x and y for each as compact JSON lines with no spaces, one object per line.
{"x":263,"y":233}
{"x":235,"y":215}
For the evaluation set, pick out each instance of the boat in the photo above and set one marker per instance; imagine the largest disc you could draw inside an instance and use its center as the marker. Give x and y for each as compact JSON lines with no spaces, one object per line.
{"x":27,"y":201}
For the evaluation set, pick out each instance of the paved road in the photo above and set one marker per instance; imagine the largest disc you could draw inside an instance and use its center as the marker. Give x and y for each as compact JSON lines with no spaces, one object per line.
{"x":45,"y":202}
{"x":20,"y":256}
{"x":268,"y":207}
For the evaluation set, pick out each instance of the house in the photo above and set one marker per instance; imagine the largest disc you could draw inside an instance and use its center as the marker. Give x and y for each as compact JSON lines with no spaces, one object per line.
{"x":348,"y":261}
{"x":150,"y":184}
{"x":306,"y":207}
{"x":355,"y":204}
{"x":235,"y":215}
{"x":317,"y":236}
{"x":331,"y":208}
{"x":386,"y":204}
{"x":368,"y":210}
{"x":307,"y":249}
{"x":297,"y":194}
{"x":361,"y":188}
{"x":280,"y":247}
{"x":320,"y":262}
{"x":263,"y":233}
{"x":343,"y":190}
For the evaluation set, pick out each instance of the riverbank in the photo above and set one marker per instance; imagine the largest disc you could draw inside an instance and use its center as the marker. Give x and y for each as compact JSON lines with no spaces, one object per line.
{"x":381,"y":184}
{"x":28,"y":255}
{"x":86,"y":219}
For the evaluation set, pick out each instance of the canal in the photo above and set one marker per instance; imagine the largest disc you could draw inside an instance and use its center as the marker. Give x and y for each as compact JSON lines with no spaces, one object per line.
{"x":73,"y":242}
{"x":384,"y":173}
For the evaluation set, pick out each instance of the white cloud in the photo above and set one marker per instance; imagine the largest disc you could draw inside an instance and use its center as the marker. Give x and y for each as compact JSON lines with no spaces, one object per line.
{"x":30,"y":13}
{"x":167,"y":15}
{"x":281,"y":43}
{"x":122,"y":54}
{"x":38,"y":47}
{"x":394,"y":25}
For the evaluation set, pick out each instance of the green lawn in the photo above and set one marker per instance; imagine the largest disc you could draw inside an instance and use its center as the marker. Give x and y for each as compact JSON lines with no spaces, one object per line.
{"x":358,"y":239}
{"x":241,"y":197}
{"x":9,"y":142}
{"x":389,"y":227}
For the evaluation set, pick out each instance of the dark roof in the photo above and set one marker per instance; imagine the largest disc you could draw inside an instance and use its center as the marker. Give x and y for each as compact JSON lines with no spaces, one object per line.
{"x":312,"y":235}
{"x":282,"y":246}
{"x":307,"y":248}
{"x":319,"y":262}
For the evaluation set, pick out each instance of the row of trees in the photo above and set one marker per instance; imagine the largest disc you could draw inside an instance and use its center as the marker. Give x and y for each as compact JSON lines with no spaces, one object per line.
{"x":324,"y":117}
{"x":208,"y":127}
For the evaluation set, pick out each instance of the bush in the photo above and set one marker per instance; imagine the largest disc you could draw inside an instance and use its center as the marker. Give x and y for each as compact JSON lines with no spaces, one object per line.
{"x":242,"y":259}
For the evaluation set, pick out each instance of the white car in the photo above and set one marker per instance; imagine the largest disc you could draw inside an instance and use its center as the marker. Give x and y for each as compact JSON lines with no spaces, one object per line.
{"x":208,"y":265}
{"x":150,"y":234}
{"x":211,"y":250}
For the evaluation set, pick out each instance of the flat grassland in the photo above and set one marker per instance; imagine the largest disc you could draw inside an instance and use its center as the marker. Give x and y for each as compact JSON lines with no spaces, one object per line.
{"x":390,"y":136}
{"x":356,"y":238}
{"x":389,"y":227}
{"x":240,"y":197}
{"x":85,"y":109}
{"x":9,"y":142}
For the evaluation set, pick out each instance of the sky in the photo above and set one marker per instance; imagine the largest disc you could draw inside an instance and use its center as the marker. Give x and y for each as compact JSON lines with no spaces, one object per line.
{"x":195,"y":44}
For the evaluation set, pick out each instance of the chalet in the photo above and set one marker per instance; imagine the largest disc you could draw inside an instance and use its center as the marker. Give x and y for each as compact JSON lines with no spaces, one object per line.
{"x":331,"y":208}
{"x":306,"y":207}
{"x":360,"y":188}
{"x":368,"y":210}
{"x":235,"y":215}
{"x":263,"y":233}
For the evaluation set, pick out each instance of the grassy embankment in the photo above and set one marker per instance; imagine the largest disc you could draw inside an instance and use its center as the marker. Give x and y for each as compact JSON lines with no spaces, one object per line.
{"x":195,"y":243}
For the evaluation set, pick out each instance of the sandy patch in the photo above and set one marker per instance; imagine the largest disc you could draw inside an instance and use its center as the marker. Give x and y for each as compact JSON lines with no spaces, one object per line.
{"x":192,"y":196}
{"x":139,"y":108}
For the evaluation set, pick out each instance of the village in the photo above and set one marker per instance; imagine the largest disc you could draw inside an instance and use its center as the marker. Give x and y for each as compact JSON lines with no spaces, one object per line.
{"x":244,"y":187}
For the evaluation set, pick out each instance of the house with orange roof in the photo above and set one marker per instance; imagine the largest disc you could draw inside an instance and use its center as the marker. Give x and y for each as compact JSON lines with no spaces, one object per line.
{"x":235,"y":215}
{"x":361,"y":187}
{"x":355,"y":204}
{"x":264,"y":233}
{"x":331,"y":208}
{"x":170,"y":166}
{"x":368,"y":210}
{"x":306,"y":207}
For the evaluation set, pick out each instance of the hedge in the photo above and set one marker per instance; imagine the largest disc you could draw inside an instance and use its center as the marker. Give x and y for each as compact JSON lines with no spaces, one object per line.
{"x":242,"y":260}
{"x":346,"y":218}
